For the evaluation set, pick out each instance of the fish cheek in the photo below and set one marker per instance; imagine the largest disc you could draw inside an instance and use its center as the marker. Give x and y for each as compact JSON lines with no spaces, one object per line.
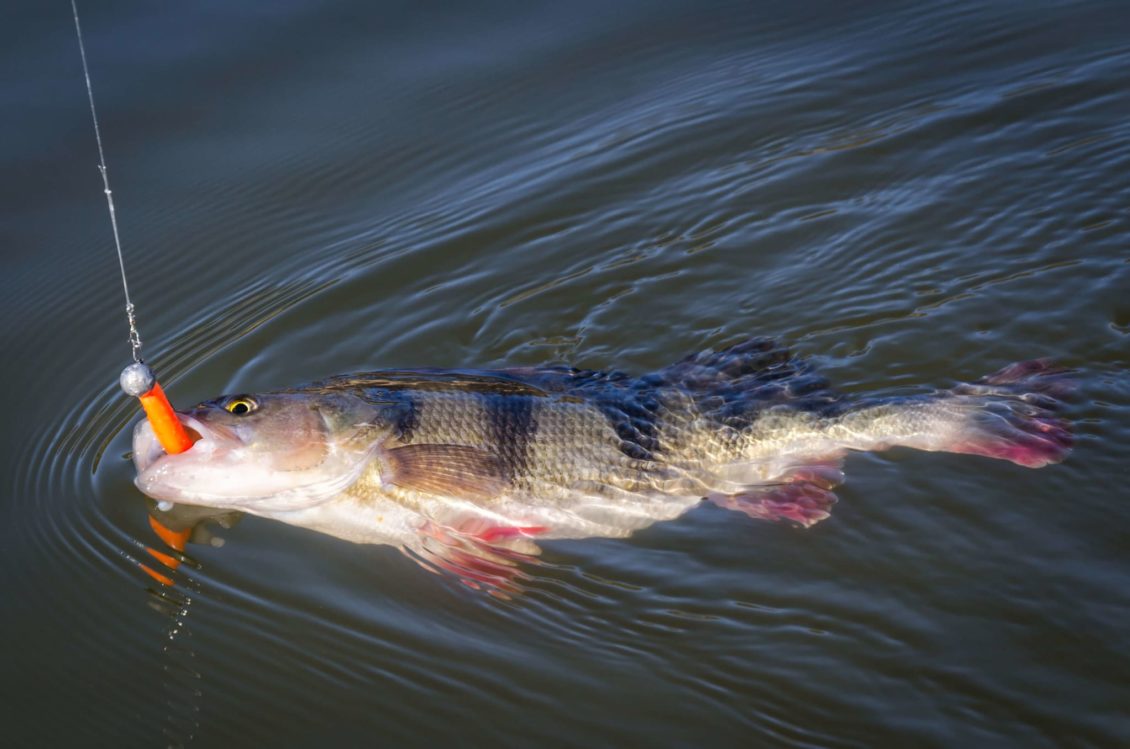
{"x":309,"y":456}
{"x":301,"y":450}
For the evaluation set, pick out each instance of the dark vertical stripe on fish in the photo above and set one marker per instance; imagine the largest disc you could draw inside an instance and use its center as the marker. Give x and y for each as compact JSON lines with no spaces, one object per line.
{"x":511,"y":426}
{"x":408,"y":418}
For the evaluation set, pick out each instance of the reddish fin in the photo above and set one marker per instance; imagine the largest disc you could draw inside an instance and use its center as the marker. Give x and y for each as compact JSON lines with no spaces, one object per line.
{"x":500,"y":534}
{"x":1029,"y":441}
{"x":447,"y":470}
{"x":1015,"y":421}
{"x":484,"y":558}
{"x":803,"y":496}
{"x":802,"y":503}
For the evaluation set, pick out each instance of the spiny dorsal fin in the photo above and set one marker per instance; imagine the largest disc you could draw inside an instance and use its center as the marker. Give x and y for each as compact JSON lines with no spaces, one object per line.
{"x":446,"y":470}
{"x":761,"y":358}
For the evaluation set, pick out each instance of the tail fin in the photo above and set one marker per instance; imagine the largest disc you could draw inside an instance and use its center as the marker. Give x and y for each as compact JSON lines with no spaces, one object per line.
{"x":1008,"y":415}
{"x":1012,"y":415}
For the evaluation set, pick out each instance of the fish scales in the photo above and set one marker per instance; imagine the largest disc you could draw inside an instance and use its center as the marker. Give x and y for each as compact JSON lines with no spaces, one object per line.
{"x":544,"y":443}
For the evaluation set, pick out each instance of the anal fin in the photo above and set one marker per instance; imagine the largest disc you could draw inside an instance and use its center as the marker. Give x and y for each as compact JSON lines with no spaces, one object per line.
{"x":803,"y":496}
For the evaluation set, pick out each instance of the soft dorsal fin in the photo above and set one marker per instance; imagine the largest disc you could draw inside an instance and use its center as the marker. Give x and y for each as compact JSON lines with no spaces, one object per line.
{"x":735,"y":384}
{"x":446,"y":470}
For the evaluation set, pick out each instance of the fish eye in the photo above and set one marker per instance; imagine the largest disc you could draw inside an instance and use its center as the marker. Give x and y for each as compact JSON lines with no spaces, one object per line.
{"x":241,"y":405}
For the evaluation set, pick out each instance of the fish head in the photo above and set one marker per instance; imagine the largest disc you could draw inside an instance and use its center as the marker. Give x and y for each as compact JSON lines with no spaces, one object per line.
{"x":263,"y":454}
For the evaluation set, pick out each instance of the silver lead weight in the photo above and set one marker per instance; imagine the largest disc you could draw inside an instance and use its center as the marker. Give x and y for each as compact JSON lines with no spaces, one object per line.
{"x":137,"y":379}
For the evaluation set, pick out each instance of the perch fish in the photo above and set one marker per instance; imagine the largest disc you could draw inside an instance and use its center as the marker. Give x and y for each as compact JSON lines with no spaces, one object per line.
{"x":466,"y":470}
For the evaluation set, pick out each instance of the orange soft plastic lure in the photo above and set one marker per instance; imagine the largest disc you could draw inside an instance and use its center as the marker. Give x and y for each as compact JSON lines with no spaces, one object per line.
{"x":170,"y":432}
{"x":138,"y":380}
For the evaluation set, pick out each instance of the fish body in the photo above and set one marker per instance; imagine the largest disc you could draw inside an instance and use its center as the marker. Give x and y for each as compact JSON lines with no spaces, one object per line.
{"x":443,"y":463}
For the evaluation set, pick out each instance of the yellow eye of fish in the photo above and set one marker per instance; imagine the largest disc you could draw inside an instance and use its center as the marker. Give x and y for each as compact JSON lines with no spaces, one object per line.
{"x":241,"y":406}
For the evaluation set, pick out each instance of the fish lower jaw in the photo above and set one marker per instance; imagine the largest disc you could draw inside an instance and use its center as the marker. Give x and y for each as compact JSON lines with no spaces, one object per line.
{"x":148,"y":450}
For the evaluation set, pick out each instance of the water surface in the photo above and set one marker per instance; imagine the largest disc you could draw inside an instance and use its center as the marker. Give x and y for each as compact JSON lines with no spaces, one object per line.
{"x":908,"y":193}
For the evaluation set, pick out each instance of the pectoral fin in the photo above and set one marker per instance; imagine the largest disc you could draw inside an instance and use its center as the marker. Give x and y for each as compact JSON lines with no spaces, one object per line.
{"x":446,"y":470}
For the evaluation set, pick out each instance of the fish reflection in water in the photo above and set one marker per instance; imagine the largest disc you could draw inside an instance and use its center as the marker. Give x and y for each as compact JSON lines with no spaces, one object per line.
{"x":466,"y":471}
{"x":178,"y":526}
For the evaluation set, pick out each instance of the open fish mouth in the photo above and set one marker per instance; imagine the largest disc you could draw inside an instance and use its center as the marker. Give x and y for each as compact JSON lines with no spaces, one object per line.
{"x":147,"y":449}
{"x":229,"y":467}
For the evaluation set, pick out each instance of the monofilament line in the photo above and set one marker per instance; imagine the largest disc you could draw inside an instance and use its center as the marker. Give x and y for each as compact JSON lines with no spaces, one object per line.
{"x":134,"y":336}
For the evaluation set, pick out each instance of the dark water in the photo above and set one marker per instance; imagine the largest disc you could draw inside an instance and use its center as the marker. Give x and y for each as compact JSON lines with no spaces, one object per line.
{"x":907,"y":192}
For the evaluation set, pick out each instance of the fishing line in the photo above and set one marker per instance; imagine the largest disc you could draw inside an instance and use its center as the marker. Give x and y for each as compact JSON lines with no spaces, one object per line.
{"x":134,"y":335}
{"x":137,"y":379}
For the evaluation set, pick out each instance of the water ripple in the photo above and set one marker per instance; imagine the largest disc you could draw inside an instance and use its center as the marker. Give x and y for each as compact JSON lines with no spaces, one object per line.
{"x":616,"y":187}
